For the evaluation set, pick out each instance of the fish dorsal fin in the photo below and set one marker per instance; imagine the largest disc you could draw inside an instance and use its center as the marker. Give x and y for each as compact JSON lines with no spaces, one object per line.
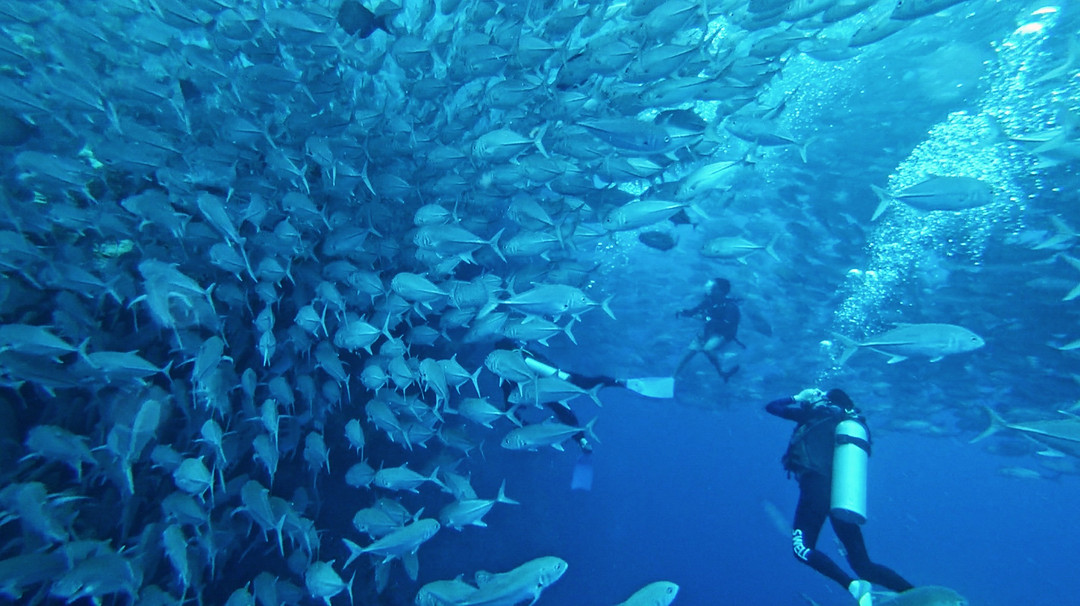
{"x":483,"y":577}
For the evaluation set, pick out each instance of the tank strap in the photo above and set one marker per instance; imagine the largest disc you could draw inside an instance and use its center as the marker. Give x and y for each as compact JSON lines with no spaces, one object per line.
{"x":861,"y":443}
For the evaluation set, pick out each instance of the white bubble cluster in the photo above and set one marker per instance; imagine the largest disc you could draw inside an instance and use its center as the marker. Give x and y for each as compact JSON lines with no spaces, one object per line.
{"x":973,"y":144}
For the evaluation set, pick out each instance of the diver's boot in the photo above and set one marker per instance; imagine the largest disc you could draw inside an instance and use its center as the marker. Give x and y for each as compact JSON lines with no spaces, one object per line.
{"x":728,"y":374}
{"x":860,"y":590}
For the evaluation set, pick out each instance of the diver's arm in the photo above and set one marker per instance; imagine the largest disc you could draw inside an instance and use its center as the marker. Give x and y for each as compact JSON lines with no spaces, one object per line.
{"x":788,"y":408}
{"x":691,"y":311}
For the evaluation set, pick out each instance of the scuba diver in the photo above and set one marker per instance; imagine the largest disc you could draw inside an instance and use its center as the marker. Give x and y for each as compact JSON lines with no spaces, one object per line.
{"x":721,"y":315}
{"x":828,"y":454}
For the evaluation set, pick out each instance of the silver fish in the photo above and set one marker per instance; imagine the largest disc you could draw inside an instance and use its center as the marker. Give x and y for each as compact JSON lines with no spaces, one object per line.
{"x":322,"y":581}
{"x":660,"y":593}
{"x":939,"y":193}
{"x":933,"y":341}
{"x":554,"y":300}
{"x":548,"y":433}
{"x":465,"y":512}
{"x":526,"y":582}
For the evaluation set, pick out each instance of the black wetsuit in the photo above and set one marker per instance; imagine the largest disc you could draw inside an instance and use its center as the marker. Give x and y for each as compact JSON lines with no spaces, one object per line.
{"x":811,"y":462}
{"x":721,"y":315}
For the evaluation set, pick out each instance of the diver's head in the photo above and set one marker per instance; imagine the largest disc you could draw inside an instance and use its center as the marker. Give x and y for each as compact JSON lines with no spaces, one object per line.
{"x":838,"y":397}
{"x":719,"y":287}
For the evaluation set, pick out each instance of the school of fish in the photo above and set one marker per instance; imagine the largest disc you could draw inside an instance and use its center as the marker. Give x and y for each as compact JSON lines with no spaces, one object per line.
{"x":254,"y":253}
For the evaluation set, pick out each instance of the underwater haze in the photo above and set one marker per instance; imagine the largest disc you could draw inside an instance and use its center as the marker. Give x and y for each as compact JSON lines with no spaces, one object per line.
{"x":284,"y":287}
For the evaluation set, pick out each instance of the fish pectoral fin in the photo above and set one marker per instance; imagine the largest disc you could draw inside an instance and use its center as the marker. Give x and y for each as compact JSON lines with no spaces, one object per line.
{"x":936,"y":359}
{"x":558,"y":446}
{"x":895,"y":359}
{"x":412,"y":565}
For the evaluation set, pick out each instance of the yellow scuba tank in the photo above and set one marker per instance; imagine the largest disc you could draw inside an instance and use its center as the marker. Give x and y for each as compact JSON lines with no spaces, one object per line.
{"x":851,"y":456}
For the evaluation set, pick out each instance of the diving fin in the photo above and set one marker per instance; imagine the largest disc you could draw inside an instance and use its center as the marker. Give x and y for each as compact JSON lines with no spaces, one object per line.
{"x":583,"y":473}
{"x":652,"y":387}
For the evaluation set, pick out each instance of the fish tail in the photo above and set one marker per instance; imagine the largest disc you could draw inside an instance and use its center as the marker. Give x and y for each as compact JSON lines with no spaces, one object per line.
{"x":474,"y":377}
{"x":1075,"y":292}
{"x":772,"y":251}
{"x":367,"y":181}
{"x":802,"y":148}
{"x":288,"y":271}
{"x":511,"y":414}
{"x":594,"y":393}
{"x":883,"y":201}
{"x":435,"y":408}
{"x":487,"y":309}
{"x":570,"y":335}
{"x":82,"y":351}
{"x":354,"y":551}
{"x":385,"y":330}
{"x":996,"y":424}
{"x":538,"y":140}
{"x":558,"y":231}
{"x":850,"y":347}
{"x":589,"y":430}
{"x":502,"y":498}
{"x":494,"y":244}
{"x":604,"y":306}
{"x":698,"y":211}
{"x":434,"y":477}
{"x":240,"y":244}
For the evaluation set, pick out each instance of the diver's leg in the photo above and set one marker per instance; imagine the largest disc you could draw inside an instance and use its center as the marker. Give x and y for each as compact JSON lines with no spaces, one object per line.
{"x":695,"y":346}
{"x":710,"y":349}
{"x":851,"y":537}
{"x":712,"y":343}
{"x":588,"y":383}
{"x":810,"y":516}
{"x":715,"y":360}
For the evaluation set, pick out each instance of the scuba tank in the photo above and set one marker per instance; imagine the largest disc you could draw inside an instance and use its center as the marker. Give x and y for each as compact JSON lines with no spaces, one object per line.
{"x":851,"y":456}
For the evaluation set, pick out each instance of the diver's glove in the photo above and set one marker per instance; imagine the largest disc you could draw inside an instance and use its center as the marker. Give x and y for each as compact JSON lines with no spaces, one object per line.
{"x":809,"y":396}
